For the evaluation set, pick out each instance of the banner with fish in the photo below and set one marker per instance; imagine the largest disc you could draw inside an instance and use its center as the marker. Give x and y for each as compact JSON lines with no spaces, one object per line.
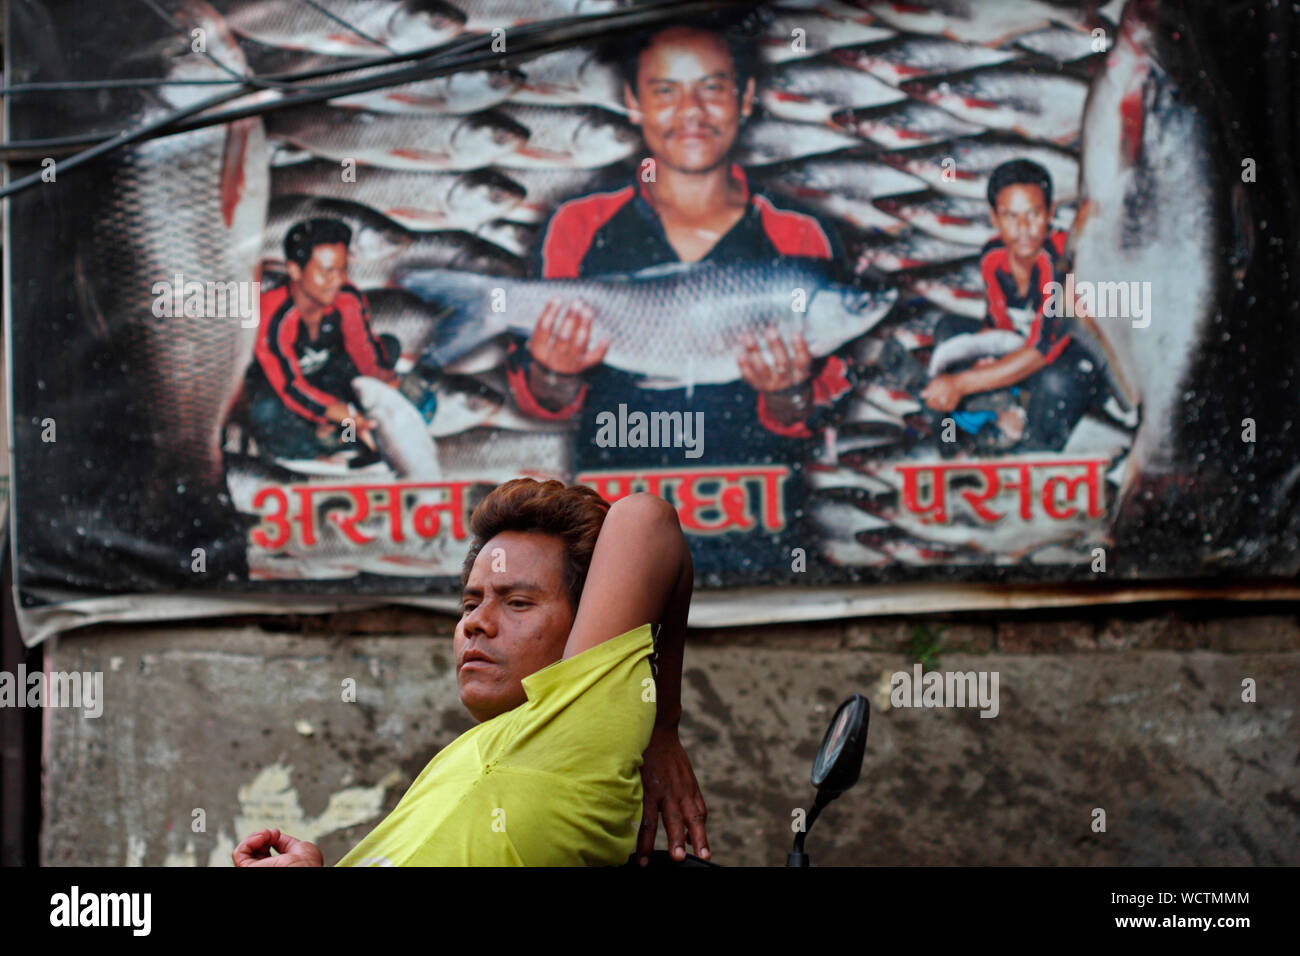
{"x":970,"y":293}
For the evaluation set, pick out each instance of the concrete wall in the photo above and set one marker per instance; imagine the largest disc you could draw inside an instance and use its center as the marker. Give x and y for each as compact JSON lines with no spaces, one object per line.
{"x":1139,"y":713}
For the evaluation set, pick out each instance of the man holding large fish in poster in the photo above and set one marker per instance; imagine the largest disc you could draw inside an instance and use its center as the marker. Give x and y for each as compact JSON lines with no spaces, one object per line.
{"x":729,"y":263}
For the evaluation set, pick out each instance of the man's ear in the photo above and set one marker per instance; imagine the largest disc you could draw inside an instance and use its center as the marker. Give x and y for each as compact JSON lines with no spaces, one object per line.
{"x":294,"y":270}
{"x":633,"y":107}
{"x":747,"y":98}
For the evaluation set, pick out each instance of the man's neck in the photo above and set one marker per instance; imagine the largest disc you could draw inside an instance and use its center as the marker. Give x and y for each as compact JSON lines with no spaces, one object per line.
{"x":694,"y":195}
{"x":1021,"y":270}
{"x":310,"y":310}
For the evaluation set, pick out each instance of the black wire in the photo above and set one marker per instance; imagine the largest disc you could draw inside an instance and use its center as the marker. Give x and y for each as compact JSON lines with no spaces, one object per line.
{"x":39,"y":148}
{"x":552,"y":34}
{"x":62,"y":86}
{"x":343,"y":23}
{"x":250,"y":79}
{"x":32,"y":149}
{"x":121,"y":139}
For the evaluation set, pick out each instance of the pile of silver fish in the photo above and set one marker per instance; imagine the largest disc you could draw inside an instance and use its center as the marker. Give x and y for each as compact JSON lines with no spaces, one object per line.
{"x":887,"y":118}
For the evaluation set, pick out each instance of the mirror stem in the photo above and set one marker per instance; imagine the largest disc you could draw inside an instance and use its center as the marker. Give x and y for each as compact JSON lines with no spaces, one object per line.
{"x":797,"y":856}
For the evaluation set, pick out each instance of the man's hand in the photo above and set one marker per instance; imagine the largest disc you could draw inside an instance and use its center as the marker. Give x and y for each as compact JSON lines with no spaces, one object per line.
{"x":943,"y":394}
{"x":339,"y":412}
{"x":673,"y":794}
{"x":786,"y":370}
{"x":256,"y":851}
{"x":559,"y":341}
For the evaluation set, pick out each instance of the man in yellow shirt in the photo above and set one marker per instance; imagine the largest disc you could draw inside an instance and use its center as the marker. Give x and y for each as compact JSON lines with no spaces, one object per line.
{"x":577,"y":742}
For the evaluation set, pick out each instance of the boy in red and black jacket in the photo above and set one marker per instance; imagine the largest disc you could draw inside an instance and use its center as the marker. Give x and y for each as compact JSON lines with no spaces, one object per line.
{"x":313,"y":340}
{"x":1062,"y":378}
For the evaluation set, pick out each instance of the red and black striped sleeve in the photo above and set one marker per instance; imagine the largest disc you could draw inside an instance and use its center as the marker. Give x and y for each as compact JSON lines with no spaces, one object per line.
{"x":275,"y":354}
{"x":566,"y":240}
{"x":797,"y":233}
{"x":358,"y":336}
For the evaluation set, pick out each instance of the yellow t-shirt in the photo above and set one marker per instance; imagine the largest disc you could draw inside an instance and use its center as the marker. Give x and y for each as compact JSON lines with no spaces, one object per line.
{"x":556,"y":781}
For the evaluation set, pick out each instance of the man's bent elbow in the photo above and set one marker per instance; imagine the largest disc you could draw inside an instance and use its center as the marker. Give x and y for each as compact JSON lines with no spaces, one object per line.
{"x":645,"y":509}
{"x":649,"y":521}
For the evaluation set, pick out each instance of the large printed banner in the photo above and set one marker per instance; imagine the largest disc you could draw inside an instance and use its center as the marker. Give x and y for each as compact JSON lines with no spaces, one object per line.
{"x":874,"y":293}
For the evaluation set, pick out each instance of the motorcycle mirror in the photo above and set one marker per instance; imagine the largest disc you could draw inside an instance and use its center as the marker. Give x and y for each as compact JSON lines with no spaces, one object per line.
{"x":839,"y":759}
{"x":836,"y":767}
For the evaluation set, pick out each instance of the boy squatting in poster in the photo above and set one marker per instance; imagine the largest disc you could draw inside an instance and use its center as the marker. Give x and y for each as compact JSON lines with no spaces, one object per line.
{"x":577,"y":743}
{"x":314,"y":339}
{"x":1063,"y":380}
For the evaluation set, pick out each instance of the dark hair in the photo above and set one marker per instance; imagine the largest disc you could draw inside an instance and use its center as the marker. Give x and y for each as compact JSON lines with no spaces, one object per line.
{"x":1019,"y":172}
{"x":740,"y":32}
{"x":574,"y":514}
{"x":303,"y":237}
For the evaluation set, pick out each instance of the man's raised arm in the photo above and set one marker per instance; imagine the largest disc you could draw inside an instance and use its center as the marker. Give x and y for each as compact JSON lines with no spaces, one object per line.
{"x":641,"y":572}
{"x":636,"y":575}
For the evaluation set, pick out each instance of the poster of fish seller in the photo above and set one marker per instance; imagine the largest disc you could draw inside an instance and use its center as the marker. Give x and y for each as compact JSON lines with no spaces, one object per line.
{"x":872,"y":293}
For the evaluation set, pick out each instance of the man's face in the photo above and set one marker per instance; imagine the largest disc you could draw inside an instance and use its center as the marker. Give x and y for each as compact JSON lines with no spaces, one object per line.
{"x":515,"y":620}
{"x":686,"y":99}
{"x":1021,"y":217}
{"x":325,"y":273}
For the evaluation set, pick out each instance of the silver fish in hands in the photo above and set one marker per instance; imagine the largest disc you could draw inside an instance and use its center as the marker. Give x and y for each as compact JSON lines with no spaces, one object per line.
{"x":400,"y":433}
{"x":970,"y":346}
{"x":682,"y":323}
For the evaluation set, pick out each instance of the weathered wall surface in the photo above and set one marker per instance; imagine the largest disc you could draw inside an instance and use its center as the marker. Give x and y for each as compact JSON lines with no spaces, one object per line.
{"x":1139,"y":713}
